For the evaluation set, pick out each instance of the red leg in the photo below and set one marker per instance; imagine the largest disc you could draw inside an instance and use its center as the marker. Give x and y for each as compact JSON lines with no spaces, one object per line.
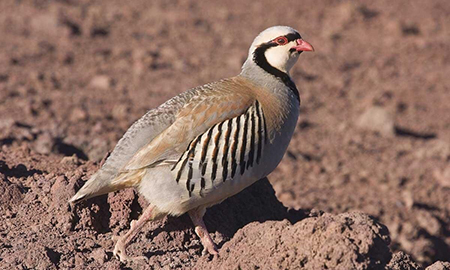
{"x":136,"y":226}
{"x":200,"y":229}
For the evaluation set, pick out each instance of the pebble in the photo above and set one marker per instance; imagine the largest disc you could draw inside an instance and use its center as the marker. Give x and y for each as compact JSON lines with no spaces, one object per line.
{"x":377,"y":119}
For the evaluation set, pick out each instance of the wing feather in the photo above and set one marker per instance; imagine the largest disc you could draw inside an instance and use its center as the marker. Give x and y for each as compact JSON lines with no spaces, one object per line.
{"x":198,"y":115}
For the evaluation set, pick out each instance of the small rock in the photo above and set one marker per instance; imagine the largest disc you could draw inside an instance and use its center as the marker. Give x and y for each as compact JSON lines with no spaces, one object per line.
{"x":402,"y":261}
{"x":25,"y":134}
{"x":78,"y":114}
{"x":442,"y":177}
{"x":423,"y":250}
{"x":119,"y":111}
{"x":97,"y":149}
{"x":6,"y":123}
{"x":438,"y":149}
{"x":287,"y":196}
{"x":70,"y":160}
{"x":45,"y":23}
{"x":341,"y":16}
{"x":100,"y":255}
{"x":439,"y":265}
{"x":44,"y":143}
{"x":377,"y":119}
{"x":428,"y":222}
{"x":80,"y":259}
{"x":408,"y":199}
{"x":59,"y":185}
{"x":10,"y":194}
{"x":100,"y":82}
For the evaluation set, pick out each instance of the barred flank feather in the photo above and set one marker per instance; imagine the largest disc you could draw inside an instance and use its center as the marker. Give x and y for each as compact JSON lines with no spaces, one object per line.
{"x":233,"y":145}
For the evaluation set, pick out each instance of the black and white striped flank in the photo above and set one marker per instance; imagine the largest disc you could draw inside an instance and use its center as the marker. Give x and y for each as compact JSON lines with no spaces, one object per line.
{"x":224,"y":152}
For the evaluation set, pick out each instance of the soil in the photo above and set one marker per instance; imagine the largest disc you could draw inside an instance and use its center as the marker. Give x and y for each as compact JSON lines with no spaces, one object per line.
{"x":365,"y":183}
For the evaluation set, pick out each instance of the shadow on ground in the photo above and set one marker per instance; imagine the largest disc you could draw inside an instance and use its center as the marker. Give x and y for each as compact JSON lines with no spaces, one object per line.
{"x":256,"y":203}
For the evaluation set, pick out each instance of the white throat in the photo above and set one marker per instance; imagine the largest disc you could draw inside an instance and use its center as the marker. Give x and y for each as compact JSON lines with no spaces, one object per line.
{"x":280,"y":59}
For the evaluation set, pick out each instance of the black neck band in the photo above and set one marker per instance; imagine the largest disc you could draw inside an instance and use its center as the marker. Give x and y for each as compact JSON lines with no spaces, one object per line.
{"x":260,"y":59}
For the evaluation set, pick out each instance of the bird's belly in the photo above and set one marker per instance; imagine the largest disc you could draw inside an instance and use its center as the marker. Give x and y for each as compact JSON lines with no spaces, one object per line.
{"x":160,"y":187}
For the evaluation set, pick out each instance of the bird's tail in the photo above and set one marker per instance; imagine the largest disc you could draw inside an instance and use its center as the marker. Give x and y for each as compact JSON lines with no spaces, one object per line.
{"x":104,"y":182}
{"x":98,"y":184}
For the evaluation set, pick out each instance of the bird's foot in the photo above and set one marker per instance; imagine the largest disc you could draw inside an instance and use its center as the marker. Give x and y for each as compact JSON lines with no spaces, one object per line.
{"x":200,"y":229}
{"x":210,"y":249}
{"x":121,"y":253}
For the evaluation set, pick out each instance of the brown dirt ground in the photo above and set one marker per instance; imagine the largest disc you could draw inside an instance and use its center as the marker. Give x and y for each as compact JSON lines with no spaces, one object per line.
{"x":374,"y":133}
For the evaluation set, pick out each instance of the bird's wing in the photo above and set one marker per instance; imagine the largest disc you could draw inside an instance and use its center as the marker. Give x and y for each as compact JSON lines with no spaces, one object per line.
{"x":142,"y":132}
{"x":212,"y":104}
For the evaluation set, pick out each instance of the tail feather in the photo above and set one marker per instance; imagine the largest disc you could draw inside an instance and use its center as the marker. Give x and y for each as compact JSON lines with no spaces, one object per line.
{"x":98,"y":184}
{"x":103,"y":182}
{"x":77,"y":198}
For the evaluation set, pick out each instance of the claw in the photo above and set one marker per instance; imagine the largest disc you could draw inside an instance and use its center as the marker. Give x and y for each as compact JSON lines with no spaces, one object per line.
{"x":135,"y":227}
{"x":120,"y":252}
{"x":210,"y":249}
{"x":132,"y":224}
{"x":200,"y":229}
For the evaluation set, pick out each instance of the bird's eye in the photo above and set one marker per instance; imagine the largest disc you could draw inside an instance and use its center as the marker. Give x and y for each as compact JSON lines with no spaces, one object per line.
{"x":281,"y":40}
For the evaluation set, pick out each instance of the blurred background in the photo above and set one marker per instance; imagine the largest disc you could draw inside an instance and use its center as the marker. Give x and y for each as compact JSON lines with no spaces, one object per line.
{"x":374,"y":131}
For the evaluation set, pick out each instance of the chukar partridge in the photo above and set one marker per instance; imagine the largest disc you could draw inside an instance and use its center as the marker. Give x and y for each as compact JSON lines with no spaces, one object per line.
{"x":210,"y":142}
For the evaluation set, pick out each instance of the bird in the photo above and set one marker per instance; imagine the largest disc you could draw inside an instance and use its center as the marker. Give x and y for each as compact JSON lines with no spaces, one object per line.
{"x":207,"y":143}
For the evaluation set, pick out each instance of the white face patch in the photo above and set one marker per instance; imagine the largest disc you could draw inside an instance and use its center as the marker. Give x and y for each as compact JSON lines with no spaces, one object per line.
{"x":281,"y":58}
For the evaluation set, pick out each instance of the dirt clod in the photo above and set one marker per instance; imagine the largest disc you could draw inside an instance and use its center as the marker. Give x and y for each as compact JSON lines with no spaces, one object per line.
{"x":345,"y":241}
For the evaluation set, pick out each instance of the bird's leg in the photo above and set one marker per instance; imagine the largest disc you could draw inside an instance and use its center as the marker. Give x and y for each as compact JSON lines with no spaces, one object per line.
{"x":200,"y":229}
{"x":136,"y":226}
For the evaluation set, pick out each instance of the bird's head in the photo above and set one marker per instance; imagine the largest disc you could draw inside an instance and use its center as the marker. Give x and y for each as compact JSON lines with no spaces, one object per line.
{"x":278,"y":47}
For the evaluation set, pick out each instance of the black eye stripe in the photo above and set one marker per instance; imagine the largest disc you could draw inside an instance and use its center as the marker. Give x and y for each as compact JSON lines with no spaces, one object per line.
{"x":292,"y":36}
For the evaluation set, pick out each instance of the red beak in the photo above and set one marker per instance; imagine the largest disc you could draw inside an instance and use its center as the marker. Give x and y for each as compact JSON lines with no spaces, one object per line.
{"x":303,"y":46}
